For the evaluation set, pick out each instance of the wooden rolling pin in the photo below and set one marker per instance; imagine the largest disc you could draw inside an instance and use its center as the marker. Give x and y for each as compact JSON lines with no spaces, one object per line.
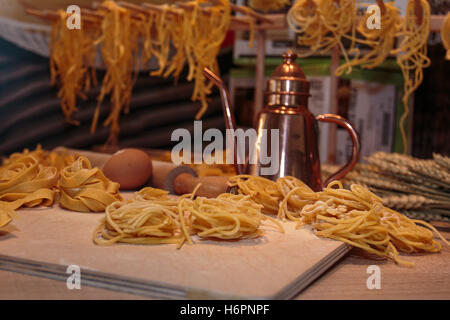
{"x":177,"y":179}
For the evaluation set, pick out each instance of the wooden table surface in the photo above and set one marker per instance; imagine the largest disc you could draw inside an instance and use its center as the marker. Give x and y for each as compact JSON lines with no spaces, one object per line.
{"x":430,"y":279}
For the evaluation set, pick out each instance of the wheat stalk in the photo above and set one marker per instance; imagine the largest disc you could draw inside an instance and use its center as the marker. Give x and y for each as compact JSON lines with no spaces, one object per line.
{"x":441,"y":160}
{"x":433,"y":170}
{"x":411,"y":201}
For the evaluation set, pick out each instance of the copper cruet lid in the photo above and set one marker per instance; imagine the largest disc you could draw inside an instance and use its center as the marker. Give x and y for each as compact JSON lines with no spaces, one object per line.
{"x":287,"y":85}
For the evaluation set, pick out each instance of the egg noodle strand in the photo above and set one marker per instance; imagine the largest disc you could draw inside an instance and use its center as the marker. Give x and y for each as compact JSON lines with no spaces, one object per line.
{"x":203,"y":34}
{"x":72,"y":52}
{"x":320,"y":24}
{"x":380,"y":42}
{"x":119,"y":45}
{"x":412,"y":56}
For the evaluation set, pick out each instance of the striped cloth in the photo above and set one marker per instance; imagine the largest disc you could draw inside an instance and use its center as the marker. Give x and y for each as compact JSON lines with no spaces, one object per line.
{"x":30,"y":112}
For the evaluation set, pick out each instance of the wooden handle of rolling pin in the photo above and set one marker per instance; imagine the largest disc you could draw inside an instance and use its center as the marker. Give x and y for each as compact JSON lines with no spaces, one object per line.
{"x":211,"y":186}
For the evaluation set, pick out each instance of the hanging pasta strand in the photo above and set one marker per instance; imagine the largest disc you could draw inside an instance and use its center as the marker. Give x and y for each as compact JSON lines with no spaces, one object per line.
{"x":204,"y":29}
{"x":119,"y":44}
{"x":320,"y":24}
{"x":412,"y":55}
{"x":380,"y":41}
{"x":161,"y":45}
{"x":304,"y":19}
{"x":72,"y":52}
{"x":147,"y":22}
{"x":175,"y":35}
{"x":179,"y":58}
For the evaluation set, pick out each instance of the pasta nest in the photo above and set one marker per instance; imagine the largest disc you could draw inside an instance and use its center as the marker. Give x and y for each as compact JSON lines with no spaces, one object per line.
{"x":86,"y":189}
{"x":140,"y":222}
{"x":25,"y":182}
{"x":60,"y":160}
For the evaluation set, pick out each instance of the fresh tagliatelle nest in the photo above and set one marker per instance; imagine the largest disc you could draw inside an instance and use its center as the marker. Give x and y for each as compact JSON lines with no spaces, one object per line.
{"x":153,"y":217}
{"x":86,"y":189}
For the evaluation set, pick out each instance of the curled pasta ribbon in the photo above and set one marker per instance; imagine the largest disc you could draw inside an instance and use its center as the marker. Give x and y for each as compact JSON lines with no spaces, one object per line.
{"x":225,"y":217}
{"x":149,"y":193}
{"x":86,"y":189}
{"x":6,"y":215}
{"x":24,"y":182}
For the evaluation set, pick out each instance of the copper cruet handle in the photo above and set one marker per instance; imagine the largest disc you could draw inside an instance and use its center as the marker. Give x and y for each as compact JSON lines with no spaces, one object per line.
{"x":356,"y":149}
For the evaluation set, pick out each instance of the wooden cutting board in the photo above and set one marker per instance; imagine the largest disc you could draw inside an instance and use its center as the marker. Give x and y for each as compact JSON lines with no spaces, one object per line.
{"x":44,"y":242}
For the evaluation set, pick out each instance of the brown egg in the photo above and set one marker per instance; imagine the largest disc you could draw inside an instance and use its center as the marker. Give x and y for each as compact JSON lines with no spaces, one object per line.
{"x":131,"y":168}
